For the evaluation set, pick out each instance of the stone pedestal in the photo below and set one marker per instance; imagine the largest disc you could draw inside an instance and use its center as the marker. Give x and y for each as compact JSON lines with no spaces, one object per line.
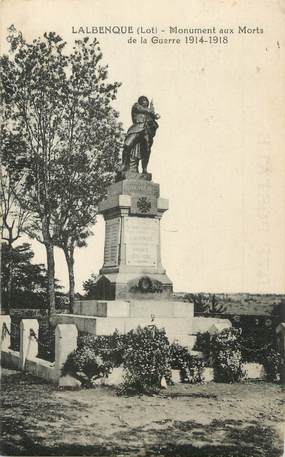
{"x":104,"y":317}
{"x":132,"y":256}
{"x":133,"y":288}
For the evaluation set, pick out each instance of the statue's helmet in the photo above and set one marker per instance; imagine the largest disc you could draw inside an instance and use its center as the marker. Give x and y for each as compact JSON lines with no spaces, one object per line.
{"x":142,"y":99}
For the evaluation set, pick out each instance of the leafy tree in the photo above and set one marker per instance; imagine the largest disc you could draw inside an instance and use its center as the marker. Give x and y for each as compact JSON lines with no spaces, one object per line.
{"x":61,"y":138}
{"x":29,"y":281}
{"x":87,"y":175}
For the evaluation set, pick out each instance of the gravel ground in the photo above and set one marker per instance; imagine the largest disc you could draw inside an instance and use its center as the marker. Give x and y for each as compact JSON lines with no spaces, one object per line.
{"x":221,"y":420}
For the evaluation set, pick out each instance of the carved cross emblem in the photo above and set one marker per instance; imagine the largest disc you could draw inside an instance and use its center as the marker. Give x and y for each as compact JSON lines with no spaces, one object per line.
{"x":143,"y":204}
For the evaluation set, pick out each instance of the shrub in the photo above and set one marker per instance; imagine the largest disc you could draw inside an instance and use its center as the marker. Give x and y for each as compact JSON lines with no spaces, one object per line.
{"x":85,"y":364}
{"x":272,"y":364}
{"x":146,"y":360}
{"x":144,"y":354}
{"x":227,"y":356}
{"x":203,"y":344}
{"x":191,"y":367}
{"x":109,"y":347}
{"x":95,"y":357}
{"x":256,"y":337}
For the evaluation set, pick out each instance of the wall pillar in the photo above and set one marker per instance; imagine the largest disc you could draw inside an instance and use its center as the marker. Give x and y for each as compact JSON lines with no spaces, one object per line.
{"x":65,"y":343}
{"x":5,"y":328}
{"x":29,"y":333}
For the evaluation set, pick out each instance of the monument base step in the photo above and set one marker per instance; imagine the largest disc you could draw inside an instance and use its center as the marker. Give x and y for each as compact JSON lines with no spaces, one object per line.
{"x":177,"y":328}
{"x":134,"y":308}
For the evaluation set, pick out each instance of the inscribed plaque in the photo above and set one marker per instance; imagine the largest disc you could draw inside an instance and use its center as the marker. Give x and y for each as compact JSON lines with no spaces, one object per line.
{"x":142,"y":239}
{"x":112,"y":239}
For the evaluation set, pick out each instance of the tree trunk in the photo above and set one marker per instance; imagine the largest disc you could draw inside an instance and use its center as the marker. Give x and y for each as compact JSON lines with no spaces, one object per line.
{"x":51,"y":272}
{"x":69,"y":256}
{"x":10,"y":278}
{"x":47,"y":241}
{"x":9,"y":290}
{"x":10,"y":283}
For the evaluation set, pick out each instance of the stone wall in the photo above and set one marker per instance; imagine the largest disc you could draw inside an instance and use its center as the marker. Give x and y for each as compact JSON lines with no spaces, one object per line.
{"x":26,"y":359}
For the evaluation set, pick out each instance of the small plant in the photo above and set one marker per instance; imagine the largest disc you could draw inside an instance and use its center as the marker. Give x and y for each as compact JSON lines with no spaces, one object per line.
{"x":226,"y":356}
{"x":191,"y":367}
{"x":146,"y":360}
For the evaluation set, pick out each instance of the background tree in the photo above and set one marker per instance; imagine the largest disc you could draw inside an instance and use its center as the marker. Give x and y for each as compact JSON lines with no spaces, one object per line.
{"x":200,"y":301}
{"x":278,"y":312}
{"x":206,"y":304}
{"x":57,"y":116}
{"x":29,"y":281}
{"x":89,"y":286}
{"x":14,"y":222}
{"x":215,"y":306}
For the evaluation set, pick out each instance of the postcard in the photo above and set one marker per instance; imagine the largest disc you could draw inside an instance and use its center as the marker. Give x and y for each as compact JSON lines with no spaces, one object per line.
{"x":143,"y":142}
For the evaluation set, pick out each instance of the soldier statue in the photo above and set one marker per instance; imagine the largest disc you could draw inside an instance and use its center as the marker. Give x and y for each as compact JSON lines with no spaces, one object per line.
{"x":139,"y":138}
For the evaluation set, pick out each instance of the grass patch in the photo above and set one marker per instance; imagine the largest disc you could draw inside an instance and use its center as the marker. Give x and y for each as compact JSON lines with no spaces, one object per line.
{"x":39,"y":419}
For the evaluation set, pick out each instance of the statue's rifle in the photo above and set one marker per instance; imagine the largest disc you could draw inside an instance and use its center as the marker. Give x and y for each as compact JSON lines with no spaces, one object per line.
{"x":149,"y":118}
{"x":155,"y":117}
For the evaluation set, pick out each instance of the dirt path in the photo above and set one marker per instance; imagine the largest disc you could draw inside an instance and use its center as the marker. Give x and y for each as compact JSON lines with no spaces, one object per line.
{"x":222,"y":420}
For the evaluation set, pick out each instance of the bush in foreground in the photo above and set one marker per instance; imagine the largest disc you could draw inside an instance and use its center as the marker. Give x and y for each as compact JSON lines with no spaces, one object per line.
{"x":109,"y":347}
{"x":191,"y":368}
{"x":227,"y":356}
{"x":144,"y":354}
{"x":146,"y":360}
{"x":86,"y":365}
{"x":272,"y":364}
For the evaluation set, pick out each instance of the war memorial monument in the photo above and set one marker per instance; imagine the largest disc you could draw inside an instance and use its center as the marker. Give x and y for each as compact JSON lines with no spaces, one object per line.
{"x":133,"y":287}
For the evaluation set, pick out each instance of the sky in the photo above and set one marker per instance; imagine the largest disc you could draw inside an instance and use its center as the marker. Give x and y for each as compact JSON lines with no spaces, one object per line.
{"x":218,"y":153}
